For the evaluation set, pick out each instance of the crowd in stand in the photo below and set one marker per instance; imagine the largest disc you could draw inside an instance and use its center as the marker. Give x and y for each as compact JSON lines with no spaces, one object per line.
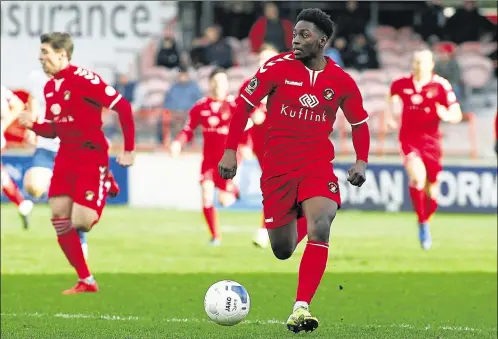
{"x":357,"y":47}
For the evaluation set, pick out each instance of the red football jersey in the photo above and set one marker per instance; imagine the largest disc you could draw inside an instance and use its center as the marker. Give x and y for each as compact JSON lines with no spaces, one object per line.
{"x":214,"y":118}
{"x":74,"y":101}
{"x":419,"y":116}
{"x":302,"y":106}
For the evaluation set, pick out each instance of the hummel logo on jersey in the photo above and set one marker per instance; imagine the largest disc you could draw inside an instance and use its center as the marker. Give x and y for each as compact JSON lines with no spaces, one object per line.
{"x":308,"y":100}
{"x":269,"y":220}
{"x":293,"y":83}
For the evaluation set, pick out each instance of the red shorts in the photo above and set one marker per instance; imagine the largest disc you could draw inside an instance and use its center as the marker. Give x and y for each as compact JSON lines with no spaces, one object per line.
{"x":431,"y":156}
{"x":85,"y":184}
{"x":210,"y":173}
{"x":283,"y":195}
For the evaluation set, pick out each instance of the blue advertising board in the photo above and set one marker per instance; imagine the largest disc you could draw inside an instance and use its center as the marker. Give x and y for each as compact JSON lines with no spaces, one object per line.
{"x":17,"y":165}
{"x":463,"y":189}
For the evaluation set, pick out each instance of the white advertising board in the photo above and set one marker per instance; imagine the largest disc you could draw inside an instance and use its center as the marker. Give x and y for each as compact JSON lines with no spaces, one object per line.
{"x":104,"y":33}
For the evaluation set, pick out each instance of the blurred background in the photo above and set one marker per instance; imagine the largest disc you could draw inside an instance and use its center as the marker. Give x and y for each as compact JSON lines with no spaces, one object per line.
{"x":150,"y":254}
{"x":159,"y":55}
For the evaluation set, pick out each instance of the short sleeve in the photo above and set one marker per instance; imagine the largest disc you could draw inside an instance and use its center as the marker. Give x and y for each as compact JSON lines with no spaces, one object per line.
{"x":352,"y":105}
{"x":395,"y":88}
{"x":264,"y":82}
{"x":446,"y":96}
{"x":96,"y":89}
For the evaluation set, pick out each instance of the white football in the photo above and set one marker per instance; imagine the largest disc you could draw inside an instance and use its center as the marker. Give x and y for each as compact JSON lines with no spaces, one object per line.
{"x":227,"y":303}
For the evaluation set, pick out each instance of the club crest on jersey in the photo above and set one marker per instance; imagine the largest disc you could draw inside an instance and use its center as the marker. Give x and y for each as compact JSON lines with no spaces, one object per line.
{"x":67,"y":95}
{"x":333,"y":187}
{"x":328,"y":94}
{"x":55,"y":109}
{"x":213,"y":121}
{"x":252,"y":85}
{"x":89,"y":195}
{"x":417,"y":99}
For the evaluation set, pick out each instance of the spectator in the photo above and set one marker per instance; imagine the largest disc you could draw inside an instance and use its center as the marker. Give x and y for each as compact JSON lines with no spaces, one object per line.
{"x":467,"y":24}
{"x":183,"y":93}
{"x":360,"y":54}
{"x":167,"y":54}
{"x":270,"y":29}
{"x":429,"y":21}
{"x":351,"y":21}
{"x":212,"y":49}
{"x":179,"y":100}
{"x":447,"y":67}
{"x":335,"y":52}
{"x":126,"y":87}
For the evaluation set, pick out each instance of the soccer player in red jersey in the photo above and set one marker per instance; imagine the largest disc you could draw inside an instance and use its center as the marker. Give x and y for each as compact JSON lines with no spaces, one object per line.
{"x":256,"y":134}
{"x":11,"y":108}
{"x":77,"y":193}
{"x":426,"y":99}
{"x":213,"y":113}
{"x":305,"y":89}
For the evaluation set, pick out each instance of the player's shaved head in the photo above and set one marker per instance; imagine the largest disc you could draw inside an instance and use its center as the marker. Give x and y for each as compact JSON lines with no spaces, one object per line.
{"x":423,"y":54}
{"x":423,"y":62}
{"x":216,"y":71}
{"x":319,"y":18}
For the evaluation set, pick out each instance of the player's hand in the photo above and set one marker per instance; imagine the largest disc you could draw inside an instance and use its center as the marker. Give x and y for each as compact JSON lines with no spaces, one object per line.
{"x":175,"y":148}
{"x":228,"y":164}
{"x":30,"y":137}
{"x":357,"y":173}
{"x":25,"y":119}
{"x":246,"y":152}
{"x":391,"y":124}
{"x":126,"y":159}
{"x":258,"y":117}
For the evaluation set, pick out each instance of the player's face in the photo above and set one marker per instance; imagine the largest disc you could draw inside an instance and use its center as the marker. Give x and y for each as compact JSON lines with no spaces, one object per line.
{"x":423,"y":62}
{"x":50,"y":59}
{"x":219,"y":85}
{"x":266,"y":55}
{"x":307,"y":41}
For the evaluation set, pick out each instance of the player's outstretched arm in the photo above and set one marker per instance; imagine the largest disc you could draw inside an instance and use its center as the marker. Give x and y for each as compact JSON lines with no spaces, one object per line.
{"x":352,"y":106}
{"x":98,"y":91}
{"x":187,"y":133}
{"x":228,"y":164}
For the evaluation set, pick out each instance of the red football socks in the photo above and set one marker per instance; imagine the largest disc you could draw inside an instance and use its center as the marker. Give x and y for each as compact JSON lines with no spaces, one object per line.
{"x":71,"y":246}
{"x":212,"y":221}
{"x":313,"y":264}
{"x":302,"y":229}
{"x":12,"y":192}
{"x":419,"y":203}
{"x":431,"y":207}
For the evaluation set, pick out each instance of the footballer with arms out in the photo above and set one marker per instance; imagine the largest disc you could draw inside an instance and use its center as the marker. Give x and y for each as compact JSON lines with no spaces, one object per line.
{"x":426,"y":99}
{"x":305,"y":89}
{"x":74,"y":101}
{"x":37,"y":178}
{"x":213,"y":113}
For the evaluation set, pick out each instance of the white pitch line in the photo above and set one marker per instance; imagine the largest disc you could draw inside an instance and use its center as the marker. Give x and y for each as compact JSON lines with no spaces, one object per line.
{"x":247,"y":322}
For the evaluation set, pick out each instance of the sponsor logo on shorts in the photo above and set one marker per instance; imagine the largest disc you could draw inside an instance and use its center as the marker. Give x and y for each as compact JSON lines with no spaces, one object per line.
{"x":252,"y":85}
{"x":328,"y":94}
{"x":333,"y":187}
{"x":89,"y":195}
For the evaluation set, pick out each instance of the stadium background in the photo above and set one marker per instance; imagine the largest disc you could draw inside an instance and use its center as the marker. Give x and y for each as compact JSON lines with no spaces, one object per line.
{"x":125,"y":41}
{"x":149,"y":252}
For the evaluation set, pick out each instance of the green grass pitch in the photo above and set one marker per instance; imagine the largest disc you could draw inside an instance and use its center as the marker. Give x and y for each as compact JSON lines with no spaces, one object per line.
{"x":154,"y":266}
